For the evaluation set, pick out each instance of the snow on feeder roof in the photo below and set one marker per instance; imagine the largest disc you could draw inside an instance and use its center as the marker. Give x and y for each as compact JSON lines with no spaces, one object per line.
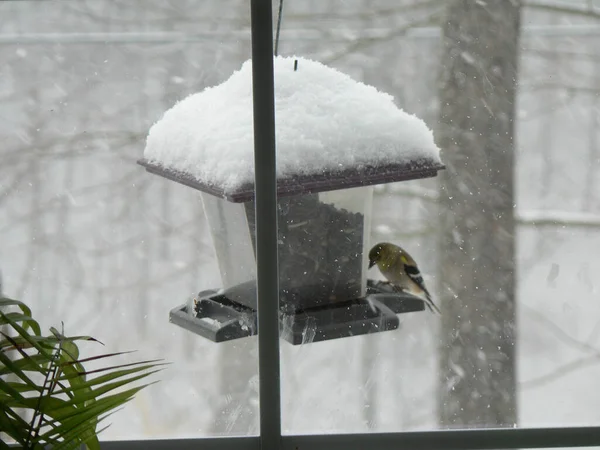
{"x":332,"y":132}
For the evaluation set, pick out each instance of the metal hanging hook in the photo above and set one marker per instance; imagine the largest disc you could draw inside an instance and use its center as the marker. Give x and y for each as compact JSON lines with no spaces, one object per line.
{"x":278,"y":27}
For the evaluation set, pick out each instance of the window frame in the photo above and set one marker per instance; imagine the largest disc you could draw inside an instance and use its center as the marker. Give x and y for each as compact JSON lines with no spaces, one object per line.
{"x":268,"y":321}
{"x":489,"y":438}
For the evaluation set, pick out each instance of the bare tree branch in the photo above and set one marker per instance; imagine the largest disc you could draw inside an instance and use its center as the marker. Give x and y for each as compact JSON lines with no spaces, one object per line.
{"x":559,"y":87}
{"x":589,"y":11}
{"x":552,"y":52}
{"x":567,"y":339}
{"x":561,"y":371}
{"x":365,"y":42}
{"x":558,"y":219}
{"x":560,"y":333}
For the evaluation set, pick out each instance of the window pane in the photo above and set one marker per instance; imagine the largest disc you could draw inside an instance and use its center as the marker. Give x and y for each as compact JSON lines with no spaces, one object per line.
{"x":90,"y":238}
{"x":474,"y":366}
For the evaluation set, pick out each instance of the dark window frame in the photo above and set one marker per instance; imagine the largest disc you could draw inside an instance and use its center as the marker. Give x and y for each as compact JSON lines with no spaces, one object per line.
{"x":268,"y":324}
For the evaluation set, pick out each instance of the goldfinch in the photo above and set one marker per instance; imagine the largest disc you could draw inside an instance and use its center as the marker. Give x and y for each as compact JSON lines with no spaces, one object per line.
{"x":401,"y":271}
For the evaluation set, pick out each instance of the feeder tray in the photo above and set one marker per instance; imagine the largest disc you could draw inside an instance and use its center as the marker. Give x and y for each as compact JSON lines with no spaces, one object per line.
{"x":220,"y":318}
{"x":352,"y":177}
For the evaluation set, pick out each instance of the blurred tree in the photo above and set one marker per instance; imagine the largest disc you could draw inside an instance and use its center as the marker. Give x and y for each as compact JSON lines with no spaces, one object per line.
{"x":477,"y":245}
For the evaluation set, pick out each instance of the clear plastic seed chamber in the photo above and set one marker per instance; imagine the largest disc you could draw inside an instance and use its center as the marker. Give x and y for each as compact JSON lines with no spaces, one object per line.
{"x":325,"y":176}
{"x":321,"y":247}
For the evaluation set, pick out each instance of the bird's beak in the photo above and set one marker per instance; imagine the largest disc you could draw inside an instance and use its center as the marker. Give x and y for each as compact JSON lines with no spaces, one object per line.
{"x":371,"y":263}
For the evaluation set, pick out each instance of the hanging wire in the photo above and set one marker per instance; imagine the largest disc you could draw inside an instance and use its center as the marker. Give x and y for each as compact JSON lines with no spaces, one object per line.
{"x":278,"y":27}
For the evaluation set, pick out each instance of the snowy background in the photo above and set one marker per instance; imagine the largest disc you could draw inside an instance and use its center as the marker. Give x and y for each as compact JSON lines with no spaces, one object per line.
{"x":88,"y":237}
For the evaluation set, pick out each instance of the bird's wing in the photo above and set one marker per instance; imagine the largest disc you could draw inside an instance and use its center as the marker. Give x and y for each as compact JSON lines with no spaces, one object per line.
{"x":414,"y":274}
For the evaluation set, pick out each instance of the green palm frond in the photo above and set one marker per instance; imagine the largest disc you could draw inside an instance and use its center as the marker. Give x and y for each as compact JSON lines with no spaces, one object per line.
{"x":50,"y":398}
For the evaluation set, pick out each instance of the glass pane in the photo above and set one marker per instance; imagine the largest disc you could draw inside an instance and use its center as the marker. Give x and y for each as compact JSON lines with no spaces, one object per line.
{"x":89,"y":237}
{"x":517,"y":341}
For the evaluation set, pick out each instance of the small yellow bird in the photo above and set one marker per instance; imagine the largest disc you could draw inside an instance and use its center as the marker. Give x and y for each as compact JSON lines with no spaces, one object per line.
{"x":401,"y":270}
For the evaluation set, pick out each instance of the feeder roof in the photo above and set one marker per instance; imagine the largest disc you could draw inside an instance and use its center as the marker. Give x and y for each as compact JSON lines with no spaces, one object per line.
{"x":332,"y":132}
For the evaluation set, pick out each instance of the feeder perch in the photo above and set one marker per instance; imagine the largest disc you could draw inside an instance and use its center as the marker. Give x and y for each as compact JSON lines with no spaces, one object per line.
{"x":324,"y":219}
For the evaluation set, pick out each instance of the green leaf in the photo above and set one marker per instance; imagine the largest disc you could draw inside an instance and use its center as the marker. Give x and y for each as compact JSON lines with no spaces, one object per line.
{"x":25,"y":364}
{"x":12,"y":392}
{"x":63,"y":423}
{"x":5,"y":302}
{"x":48,"y":343}
{"x":89,"y":439}
{"x":23,"y":387}
{"x":17,"y":317}
{"x":116,"y":375}
{"x":100,"y":406}
{"x":5,"y":345}
{"x":16,"y":370}
{"x":30,"y":363}
{"x":81,"y":422}
{"x":104,"y":369}
{"x":94,"y":394}
{"x":47,"y":403}
{"x":13,"y":425}
{"x":74,"y":372}
{"x":60,"y":336}
{"x":27,"y":337}
{"x":105,"y":355}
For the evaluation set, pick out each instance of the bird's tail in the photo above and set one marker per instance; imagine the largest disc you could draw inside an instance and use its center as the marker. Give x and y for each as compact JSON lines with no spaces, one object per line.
{"x":429,"y":302}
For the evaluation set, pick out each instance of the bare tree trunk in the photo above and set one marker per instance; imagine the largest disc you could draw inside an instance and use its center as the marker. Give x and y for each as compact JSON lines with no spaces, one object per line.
{"x":477,"y":255}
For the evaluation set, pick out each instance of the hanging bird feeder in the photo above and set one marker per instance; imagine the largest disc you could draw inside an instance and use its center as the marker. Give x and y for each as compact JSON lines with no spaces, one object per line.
{"x":336,"y":138}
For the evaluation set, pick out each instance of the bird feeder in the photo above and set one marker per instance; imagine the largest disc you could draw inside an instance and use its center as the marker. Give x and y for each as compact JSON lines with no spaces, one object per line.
{"x":324,"y":219}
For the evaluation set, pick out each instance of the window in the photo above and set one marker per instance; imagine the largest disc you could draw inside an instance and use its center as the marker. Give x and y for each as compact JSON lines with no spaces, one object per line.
{"x":505,"y":235}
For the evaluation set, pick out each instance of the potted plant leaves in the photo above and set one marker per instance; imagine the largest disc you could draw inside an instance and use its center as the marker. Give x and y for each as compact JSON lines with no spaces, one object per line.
{"x":48,"y":399}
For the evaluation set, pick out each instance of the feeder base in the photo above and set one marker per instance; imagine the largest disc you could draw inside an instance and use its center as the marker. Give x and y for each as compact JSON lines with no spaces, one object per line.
{"x":220,"y":319}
